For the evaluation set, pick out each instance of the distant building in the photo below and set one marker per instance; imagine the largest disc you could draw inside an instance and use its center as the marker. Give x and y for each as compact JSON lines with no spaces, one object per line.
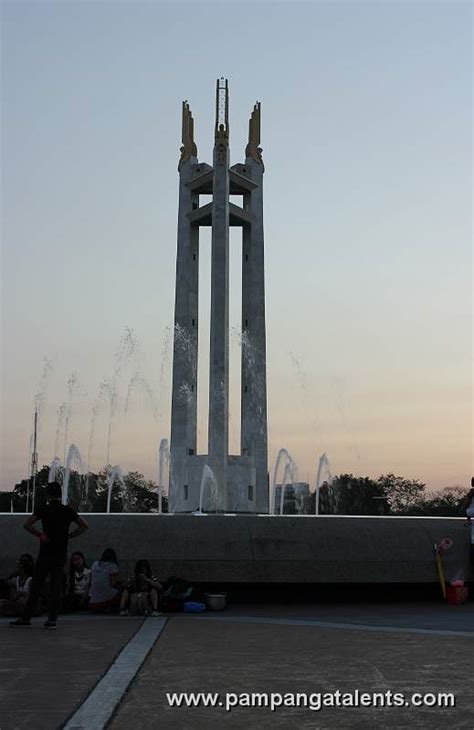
{"x":296,"y":498}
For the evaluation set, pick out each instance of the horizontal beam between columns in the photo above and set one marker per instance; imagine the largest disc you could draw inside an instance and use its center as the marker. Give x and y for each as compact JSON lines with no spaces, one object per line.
{"x":203,"y":216}
{"x":238,"y":184}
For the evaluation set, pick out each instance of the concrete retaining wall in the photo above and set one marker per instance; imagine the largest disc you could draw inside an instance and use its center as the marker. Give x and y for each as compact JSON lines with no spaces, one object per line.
{"x":263,"y":549}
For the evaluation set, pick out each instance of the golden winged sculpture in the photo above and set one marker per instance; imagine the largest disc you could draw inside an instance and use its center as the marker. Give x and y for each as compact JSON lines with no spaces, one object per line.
{"x":188,"y":148}
{"x":253,"y":150}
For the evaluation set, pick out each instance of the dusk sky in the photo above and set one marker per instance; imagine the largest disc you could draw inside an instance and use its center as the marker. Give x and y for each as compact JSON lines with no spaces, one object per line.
{"x":366,"y":136}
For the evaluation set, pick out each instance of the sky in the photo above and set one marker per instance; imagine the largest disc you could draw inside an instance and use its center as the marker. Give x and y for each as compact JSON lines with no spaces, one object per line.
{"x":366,"y":136}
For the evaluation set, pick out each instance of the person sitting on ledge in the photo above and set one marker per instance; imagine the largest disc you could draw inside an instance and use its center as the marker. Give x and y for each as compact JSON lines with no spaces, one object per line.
{"x":142,"y":592}
{"x":79,"y":580}
{"x":19,"y":584}
{"x":56,"y":519}
{"x":104,"y":593}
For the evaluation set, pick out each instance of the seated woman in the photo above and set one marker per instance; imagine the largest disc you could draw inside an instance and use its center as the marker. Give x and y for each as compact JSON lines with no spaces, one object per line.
{"x":78,"y":585}
{"x":104,"y":594}
{"x":19,"y":584}
{"x":141,"y":592}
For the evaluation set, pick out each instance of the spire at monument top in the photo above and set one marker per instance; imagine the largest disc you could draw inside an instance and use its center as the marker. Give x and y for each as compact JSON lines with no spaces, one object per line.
{"x":189,"y":148}
{"x":222,"y":106}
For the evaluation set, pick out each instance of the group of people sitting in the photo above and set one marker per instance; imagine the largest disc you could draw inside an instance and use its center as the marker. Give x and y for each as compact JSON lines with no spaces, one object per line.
{"x":101,"y":588}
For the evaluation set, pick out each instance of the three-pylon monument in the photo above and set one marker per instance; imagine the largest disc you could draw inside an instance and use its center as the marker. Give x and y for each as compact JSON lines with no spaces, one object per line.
{"x":237,"y":483}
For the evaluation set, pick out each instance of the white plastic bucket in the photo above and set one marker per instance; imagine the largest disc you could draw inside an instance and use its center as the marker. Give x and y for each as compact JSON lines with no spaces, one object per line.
{"x":215,"y":601}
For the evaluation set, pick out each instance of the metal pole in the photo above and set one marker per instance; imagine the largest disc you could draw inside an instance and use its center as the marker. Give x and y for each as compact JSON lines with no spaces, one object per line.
{"x":160,"y":481}
{"x":34,"y":461}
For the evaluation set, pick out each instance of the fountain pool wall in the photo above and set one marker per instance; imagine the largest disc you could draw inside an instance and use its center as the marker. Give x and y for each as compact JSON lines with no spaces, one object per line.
{"x":264,"y":549}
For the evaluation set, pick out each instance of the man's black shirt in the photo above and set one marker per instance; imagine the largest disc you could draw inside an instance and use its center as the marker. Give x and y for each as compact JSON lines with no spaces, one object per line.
{"x":56,"y":518}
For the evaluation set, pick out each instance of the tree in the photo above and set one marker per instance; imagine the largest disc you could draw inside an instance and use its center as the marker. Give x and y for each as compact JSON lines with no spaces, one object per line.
{"x":138,"y":495}
{"x":88,"y":492}
{"x":6,"y":501}
{"x":402,"y":494}
{"x":446,"y":502}
{"x":351,"y":495}
{"x":98,"y":492}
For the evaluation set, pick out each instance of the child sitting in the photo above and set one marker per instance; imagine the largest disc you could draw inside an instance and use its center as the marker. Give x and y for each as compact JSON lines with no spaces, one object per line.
{"x":141,"y":592}
{"x":78,"y":584}
{"x":19,"y":584}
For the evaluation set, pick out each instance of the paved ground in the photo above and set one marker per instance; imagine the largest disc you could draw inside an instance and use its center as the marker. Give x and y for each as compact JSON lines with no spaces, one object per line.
{"x":231,"y":653}
{"x":405,"y":648}
{"x":44,"y":675}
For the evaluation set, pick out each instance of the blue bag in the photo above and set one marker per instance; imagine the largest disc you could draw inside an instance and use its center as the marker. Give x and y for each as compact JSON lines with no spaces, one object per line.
{"x":194,"y":607}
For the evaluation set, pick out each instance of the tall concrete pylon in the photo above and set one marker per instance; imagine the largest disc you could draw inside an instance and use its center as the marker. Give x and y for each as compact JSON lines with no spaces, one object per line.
{"x":240,"y":482}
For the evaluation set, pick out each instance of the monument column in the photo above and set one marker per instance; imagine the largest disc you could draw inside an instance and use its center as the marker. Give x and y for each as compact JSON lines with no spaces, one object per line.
{"x":254,"y":439}
{"x":184,"y":394}
{"x":219,"y":340}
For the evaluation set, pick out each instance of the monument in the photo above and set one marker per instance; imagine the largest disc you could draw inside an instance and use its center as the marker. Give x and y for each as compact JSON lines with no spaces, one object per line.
{"x":219,"y":481}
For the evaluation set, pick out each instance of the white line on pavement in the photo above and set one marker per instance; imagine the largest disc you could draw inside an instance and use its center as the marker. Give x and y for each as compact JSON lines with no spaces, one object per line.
{"x":327,"y":625}
{"x":98,"y":708}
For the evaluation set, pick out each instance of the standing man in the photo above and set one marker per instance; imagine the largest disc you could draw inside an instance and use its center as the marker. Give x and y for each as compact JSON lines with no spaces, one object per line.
{"x":55,"y":518}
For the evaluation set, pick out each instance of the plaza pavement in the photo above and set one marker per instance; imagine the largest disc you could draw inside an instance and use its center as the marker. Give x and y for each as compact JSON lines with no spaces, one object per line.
{"x":47,"y":676}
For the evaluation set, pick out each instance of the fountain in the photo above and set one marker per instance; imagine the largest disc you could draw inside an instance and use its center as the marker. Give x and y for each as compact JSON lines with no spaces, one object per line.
{"x":207,"y":476}
{"x":165,"y":356}
{"x":288,"y":479}
{"x":255,"y":550}
{"x":163,"y":461}
{"x":236,"y":482}
{"x":138,"y":380}
{"x":73,"y":455}
{"x":72,"y":388}
{"x":290,"y":469}
{"x":115,"y":473}
{"x":110,"y":385}
{"x":54,"y":470}
{"x":59,"y":426}
{"x":323,"y":464}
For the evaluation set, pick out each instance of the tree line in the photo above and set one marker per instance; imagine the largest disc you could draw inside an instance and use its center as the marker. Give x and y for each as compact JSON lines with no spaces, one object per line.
{"x":346,"y":494}
{"x":88,"y":493}
{"x":389,"y":494}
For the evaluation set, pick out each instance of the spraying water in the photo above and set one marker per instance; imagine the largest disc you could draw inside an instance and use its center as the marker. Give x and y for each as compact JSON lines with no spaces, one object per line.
{"x":59,"y":426}
{"x":165,"y":358}
{"x":307,"y":398}
{"x":323,"y":471}
{"x":163,"y":461}
{"x":95,"y":410}
{"x":288,"y":478}
{"x":138,"y":380}
{"x":72,"y":389}
{"x":113,"y":475}
{"x":110,"y":385}
{"x":282,"y":457}
{"x":55,"y":470}
{"x":338,"y":385}
{"x":73,"y":457}
{"x":40,"y":395}
{"x":208,"y":477}
{"x":185,"y":342}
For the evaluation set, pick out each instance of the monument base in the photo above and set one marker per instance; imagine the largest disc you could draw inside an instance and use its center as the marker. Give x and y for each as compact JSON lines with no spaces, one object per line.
{"x":194,"y":480}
